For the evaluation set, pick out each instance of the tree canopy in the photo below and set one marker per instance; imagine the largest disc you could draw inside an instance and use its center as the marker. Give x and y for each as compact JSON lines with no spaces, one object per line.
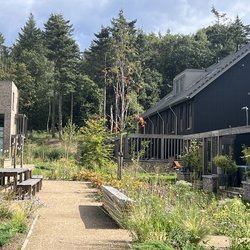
{"x":124,"y":71}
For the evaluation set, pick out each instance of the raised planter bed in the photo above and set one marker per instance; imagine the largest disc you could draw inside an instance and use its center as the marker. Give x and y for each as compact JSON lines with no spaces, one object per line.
{"x":210,"y":183}
{"x":246,"y":190}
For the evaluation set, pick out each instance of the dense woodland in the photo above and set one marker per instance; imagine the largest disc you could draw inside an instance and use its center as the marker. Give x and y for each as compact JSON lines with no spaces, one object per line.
{"x":122,"y":73}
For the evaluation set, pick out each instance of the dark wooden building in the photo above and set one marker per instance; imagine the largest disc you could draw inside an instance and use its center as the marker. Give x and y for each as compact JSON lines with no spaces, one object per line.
{"x":205,"y":100}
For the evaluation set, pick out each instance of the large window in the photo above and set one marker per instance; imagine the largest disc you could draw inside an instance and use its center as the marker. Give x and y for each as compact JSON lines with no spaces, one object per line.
{"x":1,"y":120}
{"x":181,"y":118}
{"x":172,"y":122}
{"x":189,"y":116}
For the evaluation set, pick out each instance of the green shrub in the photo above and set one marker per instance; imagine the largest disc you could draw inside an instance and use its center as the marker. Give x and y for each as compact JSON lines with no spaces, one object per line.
{"x":225,"y":162}
{"x":6,"y":233}
{"x":192,"y":158}
{"x":148,"y":220}
{"x":189,"y":224}
{"x":246,"y":154}
{"x":19,"y":221}
{"x":61,"y":169}
{"x":160,"y":179}
{"x":232,"y":218}
{"x":55,"y":154}
{"x":176,"y":214}
{"x":5,"y":212}
{"x":95,"y":147}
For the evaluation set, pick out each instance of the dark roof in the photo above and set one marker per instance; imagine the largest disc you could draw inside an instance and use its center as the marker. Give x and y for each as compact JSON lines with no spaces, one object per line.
{"x":209,"y":75}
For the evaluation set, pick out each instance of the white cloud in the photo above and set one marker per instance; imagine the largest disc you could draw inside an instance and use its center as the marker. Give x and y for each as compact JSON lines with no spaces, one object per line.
{"x":87,"y":16}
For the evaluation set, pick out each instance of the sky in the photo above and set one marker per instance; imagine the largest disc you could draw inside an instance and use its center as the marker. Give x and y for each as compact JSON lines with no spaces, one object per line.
{"x":88,"y":16}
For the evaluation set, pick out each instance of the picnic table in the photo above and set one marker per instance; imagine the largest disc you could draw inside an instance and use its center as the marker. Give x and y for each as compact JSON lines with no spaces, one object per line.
{"x":16,"y":174}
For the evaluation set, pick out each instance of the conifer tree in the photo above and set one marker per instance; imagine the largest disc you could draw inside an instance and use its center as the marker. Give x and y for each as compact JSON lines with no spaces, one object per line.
{"x":65,"y":55}
{"x":29,"y":55}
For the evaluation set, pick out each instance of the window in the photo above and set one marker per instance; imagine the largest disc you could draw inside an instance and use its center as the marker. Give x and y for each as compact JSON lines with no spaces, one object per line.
{"x":1,"y":120}
{"x":189,"y":116}
{"x":165,"y":117}
{"x":172,"y":122}
{"x":181,"y":118}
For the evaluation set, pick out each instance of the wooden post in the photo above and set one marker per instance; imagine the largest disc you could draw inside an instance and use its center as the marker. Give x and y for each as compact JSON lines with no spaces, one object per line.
{"x":126,"y":147}
{"x":120,"y":159}
{"x":15,"y":149}
{"x":162,"y":148}
{"x":22,"y":146}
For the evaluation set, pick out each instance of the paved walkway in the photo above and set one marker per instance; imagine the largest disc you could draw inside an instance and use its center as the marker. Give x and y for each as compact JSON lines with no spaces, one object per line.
{"x":72,"y":219}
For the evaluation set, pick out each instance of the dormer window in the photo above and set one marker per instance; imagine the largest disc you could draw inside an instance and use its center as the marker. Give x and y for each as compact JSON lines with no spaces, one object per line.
{"x":179,"y":85}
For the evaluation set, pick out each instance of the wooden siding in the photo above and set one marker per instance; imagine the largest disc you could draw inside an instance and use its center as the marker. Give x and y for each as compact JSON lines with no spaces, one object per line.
{"x":219,"y":105}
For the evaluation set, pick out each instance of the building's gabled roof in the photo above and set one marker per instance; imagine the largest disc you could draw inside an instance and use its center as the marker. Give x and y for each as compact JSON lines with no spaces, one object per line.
{"x":209,"y":75}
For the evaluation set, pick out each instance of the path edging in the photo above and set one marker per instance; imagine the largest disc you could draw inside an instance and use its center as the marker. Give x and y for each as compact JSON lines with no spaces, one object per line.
{"x":29,"y":233}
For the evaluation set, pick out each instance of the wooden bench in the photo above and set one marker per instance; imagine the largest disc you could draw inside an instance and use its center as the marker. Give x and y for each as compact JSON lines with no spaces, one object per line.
{"x":115,"y":202}
{"x":30,"y":186}
{"x":38,"y":177}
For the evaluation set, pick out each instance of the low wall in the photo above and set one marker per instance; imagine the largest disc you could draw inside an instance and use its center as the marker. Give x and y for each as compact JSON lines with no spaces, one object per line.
{"x":153,"y":166}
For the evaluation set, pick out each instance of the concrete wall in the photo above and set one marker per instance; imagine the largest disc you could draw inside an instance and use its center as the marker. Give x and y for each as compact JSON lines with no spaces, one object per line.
{"x":9,"y":108}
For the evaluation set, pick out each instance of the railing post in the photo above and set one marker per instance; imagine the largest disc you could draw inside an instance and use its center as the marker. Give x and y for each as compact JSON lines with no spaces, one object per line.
{"x":126,"y":147}
{"x":162,"y":148}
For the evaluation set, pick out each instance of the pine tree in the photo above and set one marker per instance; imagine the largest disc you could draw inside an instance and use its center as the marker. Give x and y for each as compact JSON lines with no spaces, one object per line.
{"x":7,"y":67}
{"x":64,"y":53}
{"x":29,"y":55}
{"x":96,"y":59}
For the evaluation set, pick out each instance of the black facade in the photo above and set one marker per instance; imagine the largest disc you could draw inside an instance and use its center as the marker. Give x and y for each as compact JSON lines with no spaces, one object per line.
{"x":216,"y":99}
{"x":217,"y":106}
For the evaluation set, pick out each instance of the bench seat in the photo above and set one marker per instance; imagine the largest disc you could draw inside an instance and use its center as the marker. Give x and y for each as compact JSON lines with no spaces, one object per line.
{"x":30,"y":186}
{"x":115,"y":202}
{"x":38,"y":177}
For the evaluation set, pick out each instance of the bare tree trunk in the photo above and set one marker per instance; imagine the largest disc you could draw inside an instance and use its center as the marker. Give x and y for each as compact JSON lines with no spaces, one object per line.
{"x":60,"y":114}
{"x":71,"y":106}
{"x":105,"y":89}
{"x":116,"y":111}
{"x":53,"y":117}
{"x":122,"y":100}
{"x":111,"y":119}
{"x":49,"y":116}
{"x":104,"y":101}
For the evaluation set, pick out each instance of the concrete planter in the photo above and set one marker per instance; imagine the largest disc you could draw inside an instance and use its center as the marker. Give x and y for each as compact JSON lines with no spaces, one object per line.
{"x":246,"y":190}
{"x":210,"y":183}
{"x":184,"y":176}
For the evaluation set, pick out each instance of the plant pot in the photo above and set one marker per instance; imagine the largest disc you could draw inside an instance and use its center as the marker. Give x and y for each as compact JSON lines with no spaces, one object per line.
{"x":184,"y":176}
{"x":220,"y":171}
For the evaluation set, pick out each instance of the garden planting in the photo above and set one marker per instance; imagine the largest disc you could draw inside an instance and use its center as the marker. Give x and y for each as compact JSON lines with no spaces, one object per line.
{"x":166,"y":214}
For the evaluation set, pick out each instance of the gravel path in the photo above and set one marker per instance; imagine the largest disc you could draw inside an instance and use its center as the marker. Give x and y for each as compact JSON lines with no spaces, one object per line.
{"x":72,"y":219}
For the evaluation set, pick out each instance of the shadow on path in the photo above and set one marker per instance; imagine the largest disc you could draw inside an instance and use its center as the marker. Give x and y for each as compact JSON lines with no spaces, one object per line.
{"x":94,"y":217}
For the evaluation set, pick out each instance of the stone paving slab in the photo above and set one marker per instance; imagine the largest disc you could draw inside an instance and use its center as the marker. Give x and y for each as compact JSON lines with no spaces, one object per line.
{"x":72,"y":219}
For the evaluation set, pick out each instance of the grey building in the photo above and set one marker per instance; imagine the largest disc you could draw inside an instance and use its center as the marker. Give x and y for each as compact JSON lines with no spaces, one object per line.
{"x":10,"y":120}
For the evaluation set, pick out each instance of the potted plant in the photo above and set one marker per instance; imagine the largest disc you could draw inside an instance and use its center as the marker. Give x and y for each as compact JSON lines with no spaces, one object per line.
{"x":246,"y":154}
{"x":225,"y":166}
{"x":192,"y":159}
